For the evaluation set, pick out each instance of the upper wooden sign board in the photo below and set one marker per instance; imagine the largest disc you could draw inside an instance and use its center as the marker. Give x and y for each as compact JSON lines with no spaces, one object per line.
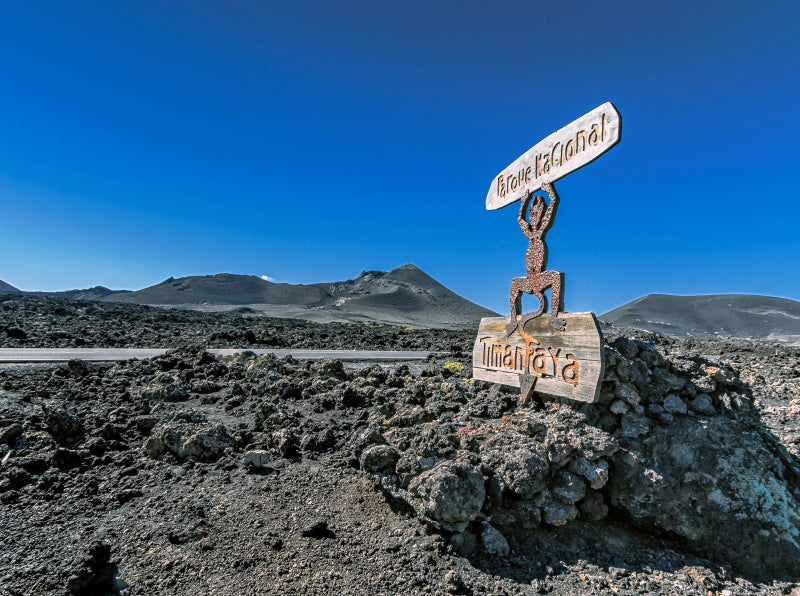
{"x":561,"y":153}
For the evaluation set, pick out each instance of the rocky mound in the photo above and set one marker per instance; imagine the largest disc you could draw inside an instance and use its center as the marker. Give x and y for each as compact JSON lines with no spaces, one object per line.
{"x":674,"y":446}
{"x":726,"y":315}
{"x":771,"y":370}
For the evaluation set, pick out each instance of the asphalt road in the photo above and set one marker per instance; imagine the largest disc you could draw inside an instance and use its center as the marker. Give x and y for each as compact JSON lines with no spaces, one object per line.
{"x":13,"y":355}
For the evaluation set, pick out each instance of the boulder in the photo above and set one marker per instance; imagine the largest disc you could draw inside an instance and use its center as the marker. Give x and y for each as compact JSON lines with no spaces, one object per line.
{"x":567,"y":487}
{"x":702,"y":404}
{"x":522,"y":465}
{"x":167,"y":387}
{"x":717,"y":484}
{"x":256,"y":458}
{"x":283,"y":441}
{"x":451,"y":493}
{"x":674,"y":404}
{"x":62,"y":424}
{"x":203,"y":441}
{"x":556,"y":513}
{"x":9,"y":434}
{"x":492,"y":541}
{"x":634,"y":425}
{"x":593,"y":508}
{"x":378,"y":458}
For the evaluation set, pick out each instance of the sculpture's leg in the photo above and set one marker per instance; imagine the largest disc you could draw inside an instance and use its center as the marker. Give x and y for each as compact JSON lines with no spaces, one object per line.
{"x":518,"y":286}
{"x":538,"y":313}
{"x":555,"y":280}
{"x":558,"y":304}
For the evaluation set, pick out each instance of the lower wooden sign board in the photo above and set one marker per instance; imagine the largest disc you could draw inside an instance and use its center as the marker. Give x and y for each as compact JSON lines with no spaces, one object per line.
{"x":565,"y":363}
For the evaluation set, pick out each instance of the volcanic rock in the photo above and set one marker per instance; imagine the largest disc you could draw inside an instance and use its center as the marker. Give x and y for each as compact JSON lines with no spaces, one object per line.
{"x":378,"y":457}
{"x":92,"y":574}
{"x":9,"y":434}
{"x":257,"y":458}
{"x":203,"y":441}
{"x":492,"y":541}
{"x":62,"y":424}
{"x":451,"y":493}
{"x":708,"y":480}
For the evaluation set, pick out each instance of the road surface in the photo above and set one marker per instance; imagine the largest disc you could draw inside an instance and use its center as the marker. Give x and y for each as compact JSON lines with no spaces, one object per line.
{"x":21,"y":355}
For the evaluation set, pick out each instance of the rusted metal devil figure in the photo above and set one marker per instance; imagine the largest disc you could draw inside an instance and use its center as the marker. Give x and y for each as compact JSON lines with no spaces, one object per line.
{"x":540,"y":220}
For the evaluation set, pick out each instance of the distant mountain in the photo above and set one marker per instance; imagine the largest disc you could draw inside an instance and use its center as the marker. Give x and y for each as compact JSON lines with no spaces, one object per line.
{"x":7,"y":288}
{"x":223,"y":288}
{"x":734,"y":315}
{"x":95,"y":293}
{"x":406,"y":293}
{"x":403,"y":296}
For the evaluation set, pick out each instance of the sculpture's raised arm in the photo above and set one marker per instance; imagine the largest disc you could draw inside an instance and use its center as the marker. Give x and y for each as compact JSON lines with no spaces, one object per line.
{"x":547,"y":219}
{"x":524,"y":224}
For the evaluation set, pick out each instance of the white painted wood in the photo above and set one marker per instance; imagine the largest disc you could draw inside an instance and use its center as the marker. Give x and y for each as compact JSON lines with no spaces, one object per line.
{"x":549,"y":160}
{"x":498,"y":358}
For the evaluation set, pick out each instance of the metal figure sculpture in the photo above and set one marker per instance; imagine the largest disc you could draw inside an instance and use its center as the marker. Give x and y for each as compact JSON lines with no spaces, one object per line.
{"x":535,"y":228}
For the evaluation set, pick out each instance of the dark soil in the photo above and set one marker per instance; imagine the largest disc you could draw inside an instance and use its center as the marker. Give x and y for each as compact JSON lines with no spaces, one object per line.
{"x":41,"y":322}
{"x":136,"y":477}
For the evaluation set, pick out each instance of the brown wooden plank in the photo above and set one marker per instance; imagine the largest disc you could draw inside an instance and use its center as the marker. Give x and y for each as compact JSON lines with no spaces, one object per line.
{"x":483,"y":358}
{"x":585,"y":391}
{"x":575,"y":342}
{"x":576,"y":324}
{"x":566,"y":363}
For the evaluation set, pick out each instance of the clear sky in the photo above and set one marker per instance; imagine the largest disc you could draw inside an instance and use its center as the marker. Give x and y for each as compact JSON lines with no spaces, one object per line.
{"x":308,"y":141}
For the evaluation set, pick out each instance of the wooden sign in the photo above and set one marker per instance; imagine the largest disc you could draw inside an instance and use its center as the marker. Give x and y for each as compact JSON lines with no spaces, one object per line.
{"x":561,"y":153}
{"x":539,"y":358}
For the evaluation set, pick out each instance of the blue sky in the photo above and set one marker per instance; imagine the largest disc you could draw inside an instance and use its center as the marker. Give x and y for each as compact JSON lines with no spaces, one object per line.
{"x":308,"y":141}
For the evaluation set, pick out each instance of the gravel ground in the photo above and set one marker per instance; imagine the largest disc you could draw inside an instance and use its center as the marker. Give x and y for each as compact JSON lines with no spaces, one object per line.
{"x":188,"y":474}
{"x":42,"y":322}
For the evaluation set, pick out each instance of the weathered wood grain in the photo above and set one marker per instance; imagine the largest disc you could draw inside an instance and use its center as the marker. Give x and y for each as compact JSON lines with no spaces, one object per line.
{"x":566,"y":363}
{"x":548,"y":385}
{"x":561,"y":153}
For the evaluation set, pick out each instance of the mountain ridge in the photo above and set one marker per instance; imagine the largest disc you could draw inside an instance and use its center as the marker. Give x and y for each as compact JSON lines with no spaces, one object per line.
{"x":403,"y":296}
{"x":6,"y":288}
{"x":711,"y":315}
